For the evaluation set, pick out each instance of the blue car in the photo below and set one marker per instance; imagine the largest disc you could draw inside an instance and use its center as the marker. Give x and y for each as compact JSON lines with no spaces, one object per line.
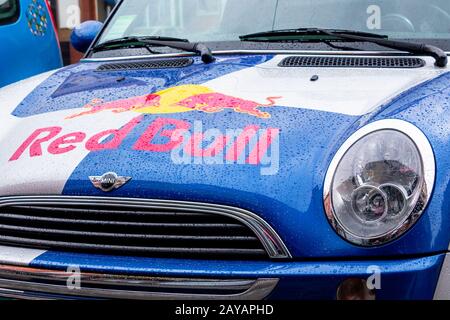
{"x":29,"y":42}
{"x":228,"y":149}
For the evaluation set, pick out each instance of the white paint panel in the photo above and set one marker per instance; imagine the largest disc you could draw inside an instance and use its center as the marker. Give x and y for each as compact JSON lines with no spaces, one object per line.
{"x":48,"y":173}
{"x":18,"y":256}
{"x":351,"y":91}
{"x":13,"y":94}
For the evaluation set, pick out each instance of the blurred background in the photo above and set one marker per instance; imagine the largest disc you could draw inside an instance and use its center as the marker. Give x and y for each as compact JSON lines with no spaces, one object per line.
{"x":70,"y":13}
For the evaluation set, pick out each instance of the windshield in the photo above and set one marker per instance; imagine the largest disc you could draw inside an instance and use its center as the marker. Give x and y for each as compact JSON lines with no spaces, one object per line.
{"x":226,"y":20}
{"x":8,"y":11}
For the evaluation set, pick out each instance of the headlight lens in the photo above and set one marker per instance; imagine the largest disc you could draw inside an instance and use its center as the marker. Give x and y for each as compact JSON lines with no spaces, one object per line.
{"x":379,"y":182}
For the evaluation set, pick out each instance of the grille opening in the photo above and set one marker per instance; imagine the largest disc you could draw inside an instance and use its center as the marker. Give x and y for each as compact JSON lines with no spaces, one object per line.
{"x":32,"y":283}
{"x":147,"y":64}
{"x":129,"y":231}
{"x":352,"y":62}
{"x":141,"y":289}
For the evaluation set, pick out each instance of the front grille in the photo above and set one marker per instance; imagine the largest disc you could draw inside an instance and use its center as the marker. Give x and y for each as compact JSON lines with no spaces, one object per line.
{"x":125,"y":227}
{"x":351,"y":62}
{"x":147,"y":64}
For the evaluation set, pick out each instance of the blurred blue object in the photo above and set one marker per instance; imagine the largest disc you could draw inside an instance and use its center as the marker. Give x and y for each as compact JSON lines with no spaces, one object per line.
{"x":29,"y":41}
{"x":84,"y":34}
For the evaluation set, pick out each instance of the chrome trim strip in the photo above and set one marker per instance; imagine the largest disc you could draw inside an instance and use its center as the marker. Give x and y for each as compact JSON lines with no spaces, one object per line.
{"x":429,"y":167}
{"x":271,"y":241}
{"x":242,"y":52}
{"x":22,"y":282}
{"x":17,"y":294}
{"x":30,"y":274}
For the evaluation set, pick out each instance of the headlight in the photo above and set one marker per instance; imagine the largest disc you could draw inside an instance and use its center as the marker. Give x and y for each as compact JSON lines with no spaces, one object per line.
{"x":379,"y":182}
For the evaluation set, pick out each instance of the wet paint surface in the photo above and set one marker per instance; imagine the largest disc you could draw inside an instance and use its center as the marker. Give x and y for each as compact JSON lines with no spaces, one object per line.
{"x":63,"y":90}
{"x":400,"y":279}
{"x":290,"y":200}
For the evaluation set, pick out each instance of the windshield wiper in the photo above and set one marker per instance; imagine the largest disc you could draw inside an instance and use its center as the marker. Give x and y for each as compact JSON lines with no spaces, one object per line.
{"x":327,"y":35}
{"x":156,"y":41}
{"x":307,"y":33}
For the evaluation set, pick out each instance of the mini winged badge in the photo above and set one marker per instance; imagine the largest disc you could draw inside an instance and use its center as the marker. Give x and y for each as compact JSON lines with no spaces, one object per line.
{"x":109,"y":181}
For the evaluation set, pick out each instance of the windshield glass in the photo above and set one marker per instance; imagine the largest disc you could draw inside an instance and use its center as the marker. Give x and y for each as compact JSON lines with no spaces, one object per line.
{"x":226,"y":20}
{"x":8,"y":11}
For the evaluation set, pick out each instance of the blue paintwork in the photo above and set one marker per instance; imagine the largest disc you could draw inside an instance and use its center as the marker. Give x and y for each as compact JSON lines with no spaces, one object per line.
{"x":290,"y":201}
{"x":400,"y":279}
{"x":83,"y":35}
{"x":24,"y":54}
{"x":86,"y":84}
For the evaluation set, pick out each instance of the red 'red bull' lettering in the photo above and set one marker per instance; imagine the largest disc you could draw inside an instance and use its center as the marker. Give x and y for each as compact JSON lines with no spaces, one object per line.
{"x":233,"y":147}
{"x":116,"y":137}
{"x":157,"y":127}
{"x":34,"y":143}
{"x":264,"y":143}
{"x":66,"y":143}
{"x":241,"y":143}
{"x":194,"y":146}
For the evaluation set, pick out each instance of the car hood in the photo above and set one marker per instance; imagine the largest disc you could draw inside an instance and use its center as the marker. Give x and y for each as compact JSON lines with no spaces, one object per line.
{"x":242,"y":132}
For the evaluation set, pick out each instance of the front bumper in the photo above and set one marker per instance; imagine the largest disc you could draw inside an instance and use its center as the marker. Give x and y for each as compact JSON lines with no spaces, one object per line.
{"x":27,"y":273}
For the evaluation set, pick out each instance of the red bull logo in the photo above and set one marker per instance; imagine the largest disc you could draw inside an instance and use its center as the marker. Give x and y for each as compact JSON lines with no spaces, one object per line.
{"x":178,"y":99}
{"x":132,"y":104}
{"x":248,"y":145}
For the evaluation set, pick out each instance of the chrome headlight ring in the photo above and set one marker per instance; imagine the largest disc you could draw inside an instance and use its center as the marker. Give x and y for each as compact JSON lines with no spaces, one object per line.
{"x":372,"y":206}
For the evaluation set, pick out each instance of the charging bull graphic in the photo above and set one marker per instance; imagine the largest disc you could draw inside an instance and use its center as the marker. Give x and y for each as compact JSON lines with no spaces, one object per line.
{"x":183,"y":98}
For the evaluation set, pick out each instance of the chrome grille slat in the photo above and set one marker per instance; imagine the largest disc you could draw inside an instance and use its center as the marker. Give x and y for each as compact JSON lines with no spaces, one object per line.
{"x":107,"y":293}
{"x":124,"y":223}
{"x":126,"y":235}
{"x":27,"y":274}
{"x":132,"y":249}
{"x":137,"y":227}
{"x":99,"y":211}
{"x":30,"y":283}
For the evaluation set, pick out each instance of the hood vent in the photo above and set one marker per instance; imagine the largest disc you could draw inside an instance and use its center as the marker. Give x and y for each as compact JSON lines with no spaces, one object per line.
{"x":351,"y":62}
{"x":148,"y":64}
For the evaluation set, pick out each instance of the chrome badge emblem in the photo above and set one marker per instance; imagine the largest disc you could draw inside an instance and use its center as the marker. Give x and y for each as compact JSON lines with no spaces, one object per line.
{"x":109,"y":181}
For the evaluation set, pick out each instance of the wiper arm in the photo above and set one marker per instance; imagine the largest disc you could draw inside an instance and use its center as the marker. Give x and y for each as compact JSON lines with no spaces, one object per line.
{"x":416,"y":48}
{"x":316,"y":34}
{"x":132,"y":42}
{"x":175,"y":43}
{"x":313,"y":33}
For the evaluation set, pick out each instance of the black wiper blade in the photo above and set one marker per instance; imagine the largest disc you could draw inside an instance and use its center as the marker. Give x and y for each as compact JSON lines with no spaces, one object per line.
{"x":315,"y":33}
{"x":326,"y":35}
{"x":144,"y":42}
{"x":438,"y":54}
{"x":132,"y":42}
